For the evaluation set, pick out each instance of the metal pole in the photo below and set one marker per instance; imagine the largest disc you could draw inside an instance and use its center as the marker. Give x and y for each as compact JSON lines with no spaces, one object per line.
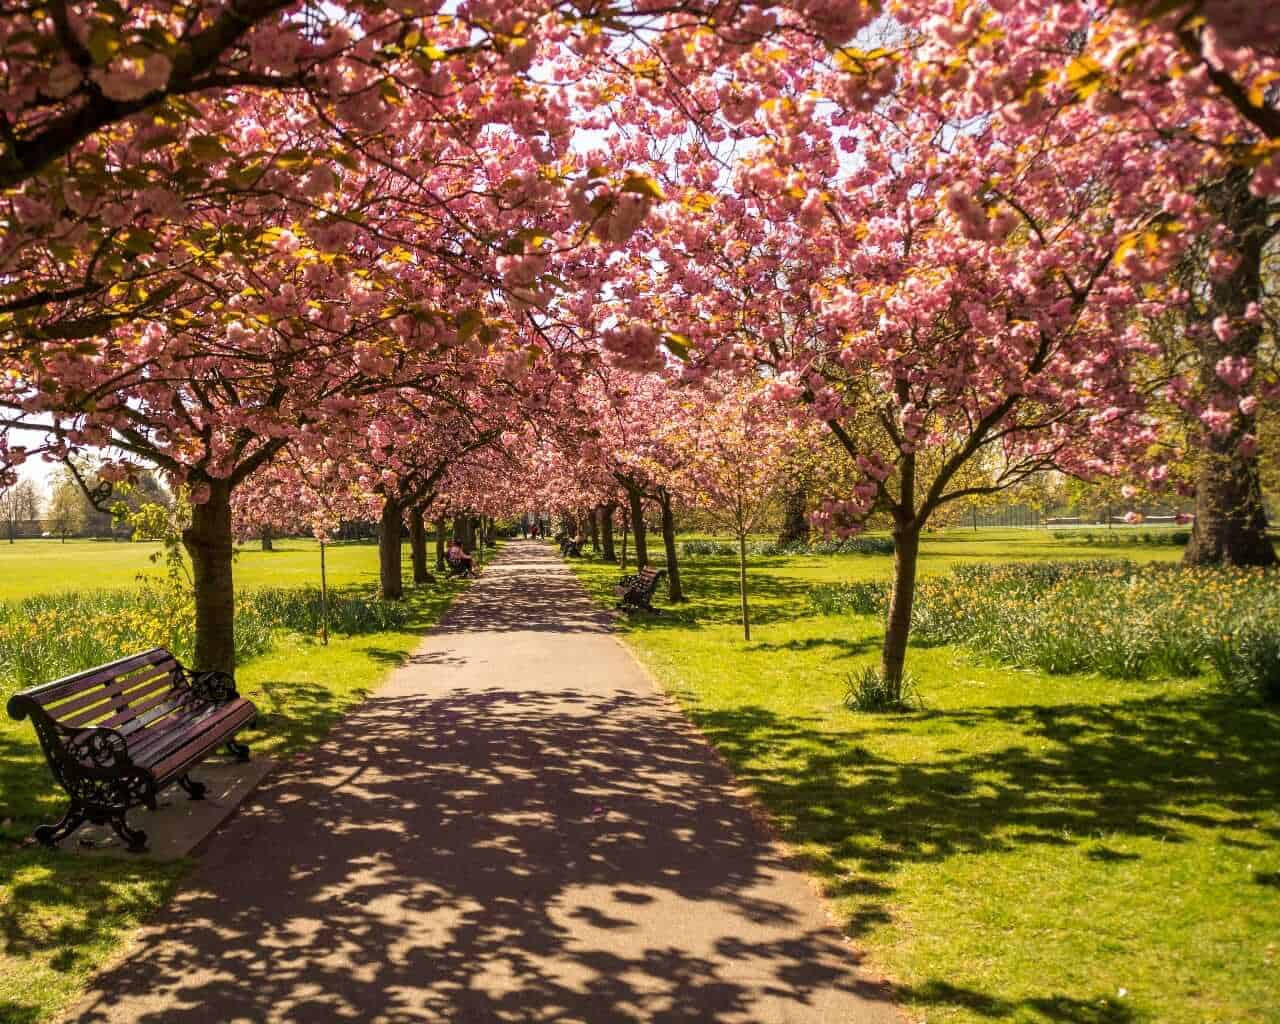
{"x":324,"y":600}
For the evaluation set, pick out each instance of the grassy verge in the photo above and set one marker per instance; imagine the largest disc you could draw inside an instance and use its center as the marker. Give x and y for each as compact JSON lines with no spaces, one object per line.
{"x":62,"y":914}
{"x":1027,"y":848}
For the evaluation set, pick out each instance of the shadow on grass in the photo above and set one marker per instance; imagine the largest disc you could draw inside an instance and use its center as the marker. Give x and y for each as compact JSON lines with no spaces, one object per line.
{"x":711,"y":592}
{"x":842,"y":647}
{"x":60,"y":910}
{"x":55,"y":899}
{"x":1144,"y":768}
{"x":1057,"y":1008}
{"x":1138,"y":768}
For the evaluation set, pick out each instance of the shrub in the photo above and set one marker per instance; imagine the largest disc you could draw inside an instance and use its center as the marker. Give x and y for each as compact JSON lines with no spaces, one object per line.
{"x":52,"y":635}
{"x":1170,"y":538}
{"x":1113,"y":617}
{"x":707,"y":548}
{"x":850,"y":598}
{"x":868,"y":690}
{"x":771,"y":549}
{"x":1248,"y":659}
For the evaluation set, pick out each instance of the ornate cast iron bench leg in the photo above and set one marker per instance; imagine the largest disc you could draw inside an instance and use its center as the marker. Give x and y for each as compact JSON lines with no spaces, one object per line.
{"x":194,"y":789}
{"x":52,"y":835}
{"x":240,"y":750}
{"x":134,"y":838}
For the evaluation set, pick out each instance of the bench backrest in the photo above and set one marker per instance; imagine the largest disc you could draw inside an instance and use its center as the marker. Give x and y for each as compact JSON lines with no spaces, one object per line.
{"x":647,"y":578}
{"x":123,"y":695}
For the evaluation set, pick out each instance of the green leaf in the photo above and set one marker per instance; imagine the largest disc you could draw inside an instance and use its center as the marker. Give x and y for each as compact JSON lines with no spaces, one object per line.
{"x":104,"y":43}
{"x":469,"y":321}
{"x":139,"y":240}
{"x":389,"y":93}
{"x":644,"y":185}
{"x":207,"y":148}
{"x":678,"y":344}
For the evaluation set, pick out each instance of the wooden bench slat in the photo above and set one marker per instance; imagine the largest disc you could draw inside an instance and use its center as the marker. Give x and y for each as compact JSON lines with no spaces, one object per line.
{"x":60,"y":712}
{"x":69,"y":685}
{"x":155,"y":733}
{"x":112,"y":701}
{"x":232,"y":716}
{"x":121,"y":720}
{"x":147,"y":744}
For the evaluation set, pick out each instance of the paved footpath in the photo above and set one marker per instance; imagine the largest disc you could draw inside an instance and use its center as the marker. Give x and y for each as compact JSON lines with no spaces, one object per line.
{"x":516,"y":827}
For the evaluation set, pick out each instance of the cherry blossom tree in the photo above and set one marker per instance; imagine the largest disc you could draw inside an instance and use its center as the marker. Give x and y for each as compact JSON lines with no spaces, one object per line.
{"x":741,"y":444}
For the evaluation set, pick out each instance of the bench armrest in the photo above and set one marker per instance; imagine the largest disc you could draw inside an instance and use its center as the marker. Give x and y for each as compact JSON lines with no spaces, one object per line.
{"x":96,"y":749}
{"x":213,"y":687}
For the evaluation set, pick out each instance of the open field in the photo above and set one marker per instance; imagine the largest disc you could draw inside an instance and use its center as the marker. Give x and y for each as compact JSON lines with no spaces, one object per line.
{"x":61,"y":914}
{"x":45,"y":566}
{"x":1027,"y":848}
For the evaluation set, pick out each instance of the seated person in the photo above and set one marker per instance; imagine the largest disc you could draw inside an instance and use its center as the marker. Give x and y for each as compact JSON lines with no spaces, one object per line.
{"x":457,"y":555}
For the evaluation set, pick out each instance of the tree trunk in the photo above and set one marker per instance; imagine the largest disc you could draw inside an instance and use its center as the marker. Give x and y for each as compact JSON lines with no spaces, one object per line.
{"x":675,"y":592}
{"x":209,"y":544}
{"x":606,"y":532}
{"x":418,"y":546}
{"x":906,"y":550}
{"x":267,"y":539}
{"x":389,"y":558}
{"x":742,"y":585}
{"x":593,"y":530}
{"x":626,"y":521}
{"x":795,"y":526}
{"x":1231,"y":522}
{"x":460,"y":529}
{"x":640,"y":538}
{"x":468,"y":538}
{"x":440,"y":528}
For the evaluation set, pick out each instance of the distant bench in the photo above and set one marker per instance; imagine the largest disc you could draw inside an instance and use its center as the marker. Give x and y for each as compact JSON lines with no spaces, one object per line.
{"x":460,"y":566}
{"x":116,"y":735}
{"x":570,"y":548}
{"x":636,"y":591}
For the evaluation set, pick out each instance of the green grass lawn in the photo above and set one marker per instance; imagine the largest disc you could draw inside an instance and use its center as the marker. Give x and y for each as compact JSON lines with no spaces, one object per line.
{"x":1027,"y":848}
{"x":62,"y":914}
{"x":44,"y":566}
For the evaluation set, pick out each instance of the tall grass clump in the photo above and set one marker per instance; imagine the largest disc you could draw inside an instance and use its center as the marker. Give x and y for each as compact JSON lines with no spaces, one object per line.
{"x":869,"y":690}
{"x":770,"y":549}
{"x":53,"y":635}
{"x":1115,"y":618}
{"x":1158,"y":537}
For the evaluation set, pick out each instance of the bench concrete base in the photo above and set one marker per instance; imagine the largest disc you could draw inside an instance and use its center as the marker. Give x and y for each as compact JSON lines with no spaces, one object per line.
{"x":180,"y":825}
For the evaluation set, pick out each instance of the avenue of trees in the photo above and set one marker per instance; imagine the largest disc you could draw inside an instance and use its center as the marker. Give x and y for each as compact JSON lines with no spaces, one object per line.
{"x":425,"y":262}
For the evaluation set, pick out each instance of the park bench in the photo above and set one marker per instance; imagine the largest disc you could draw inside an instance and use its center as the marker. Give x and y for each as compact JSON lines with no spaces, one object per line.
{"x":570,"y":547}
{"x":458,"y":567}
{"x":118,"y":734}
{"x":636,"y":590}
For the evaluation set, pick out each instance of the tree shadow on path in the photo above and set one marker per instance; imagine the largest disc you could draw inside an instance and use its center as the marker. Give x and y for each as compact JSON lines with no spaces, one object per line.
{"x":490,"y":855}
